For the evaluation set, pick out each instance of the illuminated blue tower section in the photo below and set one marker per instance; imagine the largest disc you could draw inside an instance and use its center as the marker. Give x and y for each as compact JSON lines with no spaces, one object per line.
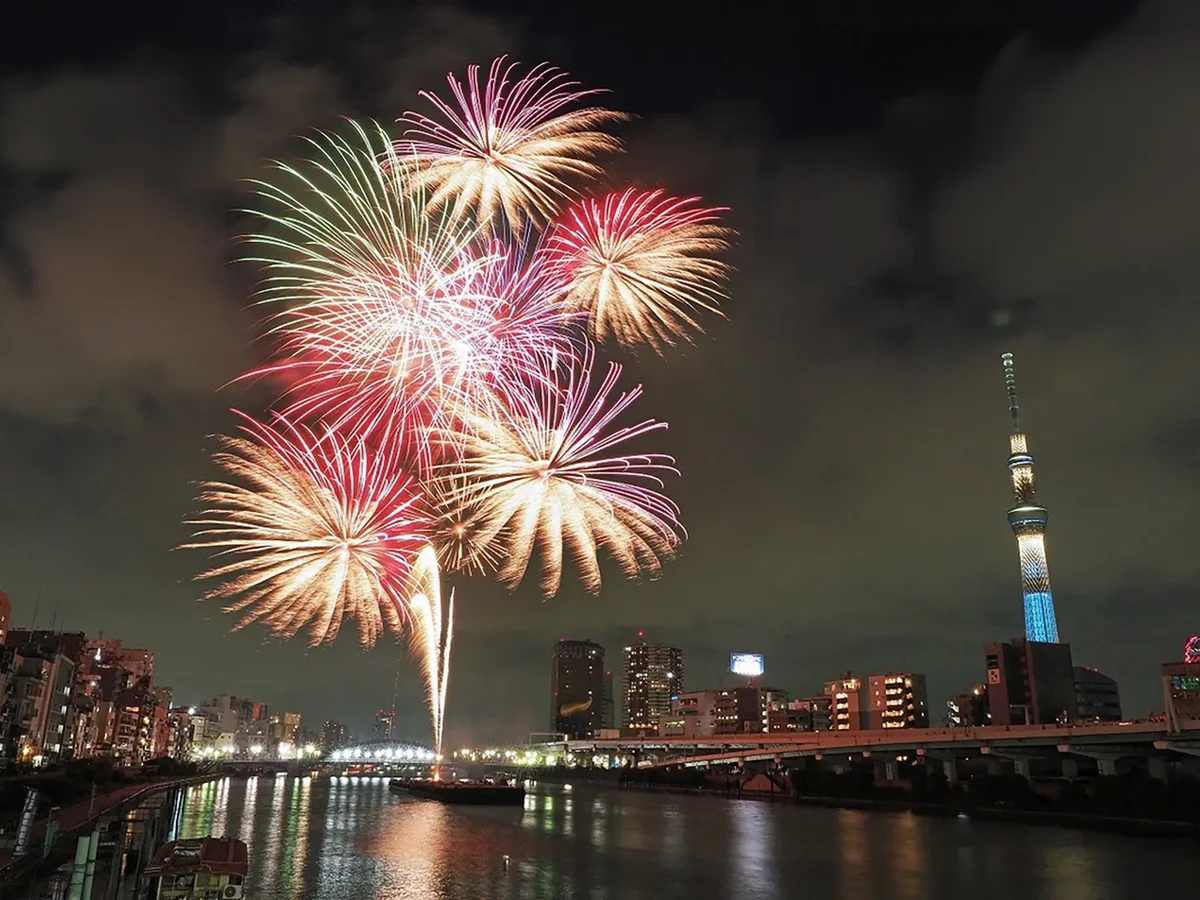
{"x":1028,"y":521}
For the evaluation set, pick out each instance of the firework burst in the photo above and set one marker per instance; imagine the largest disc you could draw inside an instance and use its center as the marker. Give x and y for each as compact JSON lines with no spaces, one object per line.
{"x":640,"y":263}
{"x":506,"y":145}
{"x":459,"y":536}
{"x":543,"y":475}
{"x":315,"y":528}
{"x":428,"y":313}
{"x":387,"y":315}
{"x":381,"y":311}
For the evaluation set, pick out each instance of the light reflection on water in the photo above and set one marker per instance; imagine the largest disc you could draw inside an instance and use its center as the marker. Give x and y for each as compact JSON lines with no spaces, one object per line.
{"x":351,"y":839}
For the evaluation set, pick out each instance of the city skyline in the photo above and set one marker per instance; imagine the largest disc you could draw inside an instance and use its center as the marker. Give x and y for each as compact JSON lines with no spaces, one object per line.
{"x":895,"y":240}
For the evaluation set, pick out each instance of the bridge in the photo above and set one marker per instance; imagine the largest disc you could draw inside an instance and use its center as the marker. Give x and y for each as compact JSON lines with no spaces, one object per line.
{"x":382,"y":755}
{"x":1154,"y":744}
{"x":382,"y":751}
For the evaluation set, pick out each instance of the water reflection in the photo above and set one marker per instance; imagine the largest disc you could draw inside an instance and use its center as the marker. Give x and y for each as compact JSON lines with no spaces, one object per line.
{"x":854,"y":852}
{"x":219,"y":810}
{"x":908,"y":856}
{"x":753,"y":850}
{"x":351,"y":839}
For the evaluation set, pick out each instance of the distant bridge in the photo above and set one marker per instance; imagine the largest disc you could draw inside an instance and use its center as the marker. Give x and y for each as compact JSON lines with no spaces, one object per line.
{"x":386,"y":752}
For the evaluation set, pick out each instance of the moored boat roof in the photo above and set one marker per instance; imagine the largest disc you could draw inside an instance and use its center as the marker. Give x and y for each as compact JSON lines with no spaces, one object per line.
{"x":221,"y":856}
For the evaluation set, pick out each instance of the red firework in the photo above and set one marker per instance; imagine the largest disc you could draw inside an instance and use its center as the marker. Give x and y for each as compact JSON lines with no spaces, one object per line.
{"x":640,"y":263}
{"x":392,"y":321}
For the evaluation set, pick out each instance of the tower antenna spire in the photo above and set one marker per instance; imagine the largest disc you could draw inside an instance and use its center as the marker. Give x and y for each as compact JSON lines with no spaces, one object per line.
{"x":1010,"y":384}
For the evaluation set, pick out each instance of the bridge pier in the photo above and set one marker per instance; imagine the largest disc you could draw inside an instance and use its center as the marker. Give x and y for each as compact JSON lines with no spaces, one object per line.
{"x":1106,"y":763}
{"x":1158,"y":762}
{"x":1157,"y":767}
{"x":948,"y":761}
{"x":1020,"y":761}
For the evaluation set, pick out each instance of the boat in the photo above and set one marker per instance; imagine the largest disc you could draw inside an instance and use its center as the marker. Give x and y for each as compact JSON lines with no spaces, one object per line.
{"x":198,"y":869}
{"x":474,"y":793}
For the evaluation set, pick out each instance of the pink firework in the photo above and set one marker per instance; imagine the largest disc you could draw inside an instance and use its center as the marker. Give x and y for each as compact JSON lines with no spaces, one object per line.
{"x":528,"y":326}
{"x":389,"y":317}
{"x":544,"y":475}
{"x":640,"y":263}
{"x":506,"y":145}
{"x":314,"y":528}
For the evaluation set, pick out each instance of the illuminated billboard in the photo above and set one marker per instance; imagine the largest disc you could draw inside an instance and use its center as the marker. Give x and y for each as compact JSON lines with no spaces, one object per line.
{"x":748,"y":664}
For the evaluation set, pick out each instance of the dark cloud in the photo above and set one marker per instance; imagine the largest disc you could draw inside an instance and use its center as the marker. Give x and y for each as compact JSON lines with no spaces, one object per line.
{"x":842,"y":434}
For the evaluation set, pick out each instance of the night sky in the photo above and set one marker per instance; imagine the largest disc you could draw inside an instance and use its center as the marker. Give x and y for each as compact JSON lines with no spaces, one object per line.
{"x":915,"y":193}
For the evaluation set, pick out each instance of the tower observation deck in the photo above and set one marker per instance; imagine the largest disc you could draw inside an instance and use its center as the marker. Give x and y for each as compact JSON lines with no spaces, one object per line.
{"x":1027,"y":518}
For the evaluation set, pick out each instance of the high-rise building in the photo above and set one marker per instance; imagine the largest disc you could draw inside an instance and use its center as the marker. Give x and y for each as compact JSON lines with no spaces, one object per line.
{"x":897,"y":701}
{"x":577,"y":689}
{"x":182,"y":733}
{"x":38,"y":697}
{"x":1097,"y":696}
{"x":608,"y":715}
{"x":969,"y":708}
{"x":653,"y":675}
{"x":5,"y":616}
{"x":334,"y":736}
{"x":1030,"y":683}
{"x":1028,"y":521}
{"x":385,"y":722}
{"x":849,"y":704}
{"x":221,"y":714}
{"x":286,"y":728}
{"x":141,"y":731}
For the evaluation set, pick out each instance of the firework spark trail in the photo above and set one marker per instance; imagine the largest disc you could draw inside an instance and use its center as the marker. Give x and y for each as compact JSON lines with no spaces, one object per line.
{"x":388,"y":316}
{"x":543,"y":475}
{"x":510,"y":146}
{"x":320,"y":528}
{"x":430,"y":638}
{"x":639,"y":263}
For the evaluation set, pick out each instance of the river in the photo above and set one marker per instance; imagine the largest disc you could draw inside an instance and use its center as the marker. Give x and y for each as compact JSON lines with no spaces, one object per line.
{"x":350,"y":839}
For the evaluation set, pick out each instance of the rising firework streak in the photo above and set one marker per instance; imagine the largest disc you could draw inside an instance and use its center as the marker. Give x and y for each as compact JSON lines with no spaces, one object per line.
{"x":429,"y":639}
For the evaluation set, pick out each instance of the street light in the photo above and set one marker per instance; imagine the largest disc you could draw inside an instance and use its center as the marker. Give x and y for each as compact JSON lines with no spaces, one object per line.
{"x":256,"y":749}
